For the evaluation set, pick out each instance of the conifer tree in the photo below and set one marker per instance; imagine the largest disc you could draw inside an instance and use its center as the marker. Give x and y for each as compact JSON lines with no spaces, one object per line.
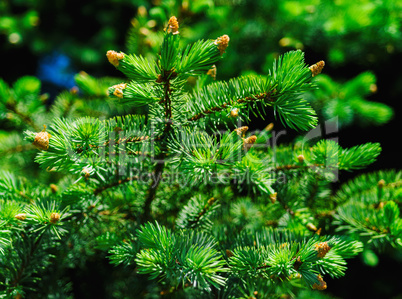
{"x":181,"y":192}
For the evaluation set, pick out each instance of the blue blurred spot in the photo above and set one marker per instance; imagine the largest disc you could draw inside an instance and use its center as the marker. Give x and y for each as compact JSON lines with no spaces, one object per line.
{"x":56,"y":69}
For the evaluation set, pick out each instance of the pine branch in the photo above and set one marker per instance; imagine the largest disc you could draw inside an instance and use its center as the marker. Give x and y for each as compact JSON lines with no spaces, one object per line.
{"x":383,"y":184}
{"x":156,"y":179}
{"x":25,"y":262}
{"x":182,"y":257}
{"x":262,"y":97}
{"x":204,"y":210}
{"x":281,"y":90}
{"x":138,"y":68}
{"x":296,"y":167}
{"x":135,"y":94}
{"x":160,"y":158}
{"x":330,"y":154}
{"x":12,"y":186}
{"x":114,"y":184}
{"x":197,"y":58}
{"x":287,"y":188}
{"x":196,"y":213}
{"x":347,"y":101}
{"x":13,"y":144}
{"x":280,"y":256}
{"x":369,"y":208}
{"x":24,"y":117}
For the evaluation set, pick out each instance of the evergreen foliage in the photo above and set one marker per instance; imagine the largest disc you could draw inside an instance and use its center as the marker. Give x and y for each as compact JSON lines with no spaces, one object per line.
{"x":347,"y":101}
{"x":197,"y":211}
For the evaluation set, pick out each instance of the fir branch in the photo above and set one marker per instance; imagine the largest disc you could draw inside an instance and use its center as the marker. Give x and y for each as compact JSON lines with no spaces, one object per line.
{"x":168,"y":60}
{"x":138,"y":68}
{"x":12,"y":106}
{"x":198,"y":57}
{"x":204,"y":210}
{"x":124,"y":253}
{"x":281,"y":89}
{"x":156,"y":179}
{"x":114,"y":184}
{"x":63,"y":105}
{"x":196,"y":213}
{"x":160,"y":158}
{"x":261,"y":96}
{"x":13,"y":186}
{"x":382,"y":224}
{"x":257,"y":258}
{"x":134,"y":93}
{"x":330,"y":154}
{"x":183,"y":257}
{"x":280,"y":256}
{"x":13,"y":142}
{"x":385,"y":184}
{"x":92,"y":87}
{"x":26,"y":261}
{"x":296,"y":167}
{"x":170,"y":51}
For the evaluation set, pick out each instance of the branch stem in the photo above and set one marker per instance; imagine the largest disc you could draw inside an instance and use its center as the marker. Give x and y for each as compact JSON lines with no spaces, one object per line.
{"x":160,"y":158}
{"x":266,"y":96}
{"x":25,"y":263}
{"x":24,"y":117}
{"x":114,"y":184}
{"x":156,"y":179}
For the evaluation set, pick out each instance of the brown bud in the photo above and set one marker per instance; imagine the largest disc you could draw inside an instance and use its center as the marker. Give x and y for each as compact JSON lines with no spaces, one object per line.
{"x":118,"y":90}
{"x":212,"y":72}
{"x":381,"y":183}
{"x":240,"y":131}
{"x":53,"y":187}
{"x":222,"y":43}
{"x":311,"y":227}
{"x":54,"y":217}
{"x":248,"y":142}
{"x":144,"y":31}
{"x":114,"y":57}
{"x":269,"y":127}
{"x":322,"y":284}
{"x":373,"y":88}
{"x":164,"y":292}
{"x":300,"y":158}
{"x":173,"y":25}
{"x":85,"y":172}
{"x":317,"y":68}
{"x":322,"y":248}
{"x":21,"y":216}
{"x":41,"y":141}
{"x":273,"y":196}
{"x":285,"y":41}
{"x":142,"y":11}
{"x":229,"y":253}
{"x":74,"y":90}
{"x":234,"y":112}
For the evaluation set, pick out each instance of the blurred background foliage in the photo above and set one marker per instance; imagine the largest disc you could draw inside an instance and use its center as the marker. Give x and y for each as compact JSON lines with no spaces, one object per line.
{"x":46,"y":45}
